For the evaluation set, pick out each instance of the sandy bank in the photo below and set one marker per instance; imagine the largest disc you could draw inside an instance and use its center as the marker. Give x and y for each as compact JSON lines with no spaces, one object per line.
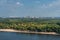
{"x":11,"y":30}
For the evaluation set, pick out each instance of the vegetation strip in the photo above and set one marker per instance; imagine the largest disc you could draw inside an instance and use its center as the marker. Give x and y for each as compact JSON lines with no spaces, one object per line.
{"x":31,"y":24}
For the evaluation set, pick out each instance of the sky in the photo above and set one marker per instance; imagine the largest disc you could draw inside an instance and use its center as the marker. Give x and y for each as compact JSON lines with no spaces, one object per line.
{"x":32,"y":8}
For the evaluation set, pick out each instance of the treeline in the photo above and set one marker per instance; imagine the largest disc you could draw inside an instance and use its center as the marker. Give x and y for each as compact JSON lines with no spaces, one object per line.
{"x":31,"y":24}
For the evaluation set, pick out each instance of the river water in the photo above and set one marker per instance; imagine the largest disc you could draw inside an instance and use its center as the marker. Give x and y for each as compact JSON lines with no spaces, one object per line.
{"x":21,"y":36}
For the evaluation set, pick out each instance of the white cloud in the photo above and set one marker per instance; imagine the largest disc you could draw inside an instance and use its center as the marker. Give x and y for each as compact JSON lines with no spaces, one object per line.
{"x":50,"y":5}
{"x":49,"y":9}
{"x":44,"y":6}
{"x":5,"y":2}
{"x":37,"y":1}
{"x":2,"y":2}
{"x":19,"y":4}
{"x":55,"y":3}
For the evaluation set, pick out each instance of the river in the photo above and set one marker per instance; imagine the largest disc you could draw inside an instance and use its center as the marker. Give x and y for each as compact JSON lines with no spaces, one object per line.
{"x":21,"y":36}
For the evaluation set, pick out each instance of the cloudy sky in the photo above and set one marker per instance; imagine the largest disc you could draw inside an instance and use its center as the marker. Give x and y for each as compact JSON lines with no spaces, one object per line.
{"x":37,"y":8}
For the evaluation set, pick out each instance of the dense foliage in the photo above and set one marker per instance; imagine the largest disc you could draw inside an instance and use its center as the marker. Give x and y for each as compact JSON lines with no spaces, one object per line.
{"x":31,"y":24}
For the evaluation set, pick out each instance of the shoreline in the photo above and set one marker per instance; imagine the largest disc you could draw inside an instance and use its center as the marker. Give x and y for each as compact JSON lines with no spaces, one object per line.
{"x":28,"y":32}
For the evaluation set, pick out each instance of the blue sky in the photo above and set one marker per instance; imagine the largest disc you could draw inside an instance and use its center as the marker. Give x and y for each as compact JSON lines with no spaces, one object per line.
{"x":23,"y":8}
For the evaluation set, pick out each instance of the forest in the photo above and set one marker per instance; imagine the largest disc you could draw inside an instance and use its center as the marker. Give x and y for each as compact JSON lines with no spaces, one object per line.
{"x":45,"y":24}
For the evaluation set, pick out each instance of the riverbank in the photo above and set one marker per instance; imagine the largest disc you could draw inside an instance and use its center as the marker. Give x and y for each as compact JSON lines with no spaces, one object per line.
{"x":30,"y":32}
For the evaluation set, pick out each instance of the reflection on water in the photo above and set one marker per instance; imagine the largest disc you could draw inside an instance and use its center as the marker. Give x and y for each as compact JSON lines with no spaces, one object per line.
{"x":21,"y":36}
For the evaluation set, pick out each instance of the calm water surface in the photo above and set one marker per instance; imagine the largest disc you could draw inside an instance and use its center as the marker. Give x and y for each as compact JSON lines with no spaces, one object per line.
{"x":20,"y":36}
